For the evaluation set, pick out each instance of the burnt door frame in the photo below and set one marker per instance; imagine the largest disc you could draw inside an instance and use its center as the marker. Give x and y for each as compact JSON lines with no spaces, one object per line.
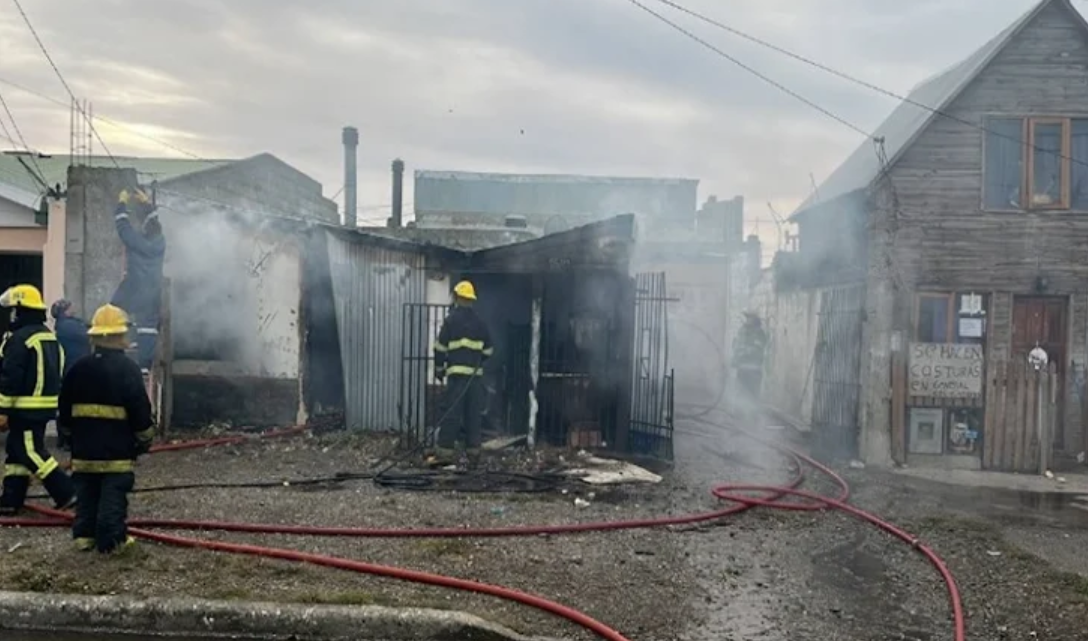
{"x":1041,"y":307}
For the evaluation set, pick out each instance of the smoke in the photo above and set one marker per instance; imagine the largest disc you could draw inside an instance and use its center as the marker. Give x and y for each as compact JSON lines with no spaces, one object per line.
{"x":235,"y":287}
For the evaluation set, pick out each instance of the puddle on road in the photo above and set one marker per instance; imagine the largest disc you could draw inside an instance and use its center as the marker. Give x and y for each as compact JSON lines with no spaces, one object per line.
{"x":1049,"y":506}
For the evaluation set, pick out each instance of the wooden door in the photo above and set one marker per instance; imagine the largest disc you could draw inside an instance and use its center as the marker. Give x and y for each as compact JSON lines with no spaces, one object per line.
{"x":1043,"y":321}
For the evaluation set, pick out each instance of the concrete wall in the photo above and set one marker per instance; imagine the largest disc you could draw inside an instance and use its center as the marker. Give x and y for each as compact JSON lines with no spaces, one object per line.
{"x":94,"y":255}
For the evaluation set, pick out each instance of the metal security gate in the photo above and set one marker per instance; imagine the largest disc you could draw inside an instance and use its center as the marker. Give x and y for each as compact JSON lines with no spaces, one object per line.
{"x":652,"y":394}
{"x":836,"y":372}
{"x":420,"y":404}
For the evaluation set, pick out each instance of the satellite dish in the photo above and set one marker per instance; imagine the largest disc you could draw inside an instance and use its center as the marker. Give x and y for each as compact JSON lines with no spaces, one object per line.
{"x":555,"y":224}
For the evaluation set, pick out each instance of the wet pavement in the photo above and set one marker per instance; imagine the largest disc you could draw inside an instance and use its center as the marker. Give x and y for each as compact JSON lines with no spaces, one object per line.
{"x":9,"y":635}
{"x":772,"y":575}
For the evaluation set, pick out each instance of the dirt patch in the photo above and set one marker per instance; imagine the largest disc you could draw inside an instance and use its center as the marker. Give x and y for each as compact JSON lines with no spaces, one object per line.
{"x":587,"y":571}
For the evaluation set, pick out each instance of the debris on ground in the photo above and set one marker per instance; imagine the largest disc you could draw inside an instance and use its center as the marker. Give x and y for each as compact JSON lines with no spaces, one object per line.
{"x":601,"y":471}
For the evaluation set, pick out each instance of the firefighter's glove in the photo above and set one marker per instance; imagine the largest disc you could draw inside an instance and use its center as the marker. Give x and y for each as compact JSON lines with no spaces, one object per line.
{"x":439,"y":376}
{"x":3,"y":423}
{"x":138,"y":195}
{"x":142,"y":447}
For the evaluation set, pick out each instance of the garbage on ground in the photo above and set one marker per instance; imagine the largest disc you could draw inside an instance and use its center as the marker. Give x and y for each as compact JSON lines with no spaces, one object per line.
{"x":580,"y":502}
{"x":857,"y":465}
{"x":993,"y":552}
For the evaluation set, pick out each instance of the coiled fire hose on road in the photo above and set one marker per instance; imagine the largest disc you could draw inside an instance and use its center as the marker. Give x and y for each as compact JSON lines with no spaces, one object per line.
{"x":733,"y":493}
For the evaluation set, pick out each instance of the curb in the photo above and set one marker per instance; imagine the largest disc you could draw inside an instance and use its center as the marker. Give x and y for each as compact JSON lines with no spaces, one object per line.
{"x":197,"y":617}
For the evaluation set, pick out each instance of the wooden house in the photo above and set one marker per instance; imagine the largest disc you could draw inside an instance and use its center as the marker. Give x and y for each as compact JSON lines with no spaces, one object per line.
{"x":956,"y":245}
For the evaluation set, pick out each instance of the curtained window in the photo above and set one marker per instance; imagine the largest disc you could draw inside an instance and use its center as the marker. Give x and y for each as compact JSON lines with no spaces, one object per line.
{"x":1036,"y":164}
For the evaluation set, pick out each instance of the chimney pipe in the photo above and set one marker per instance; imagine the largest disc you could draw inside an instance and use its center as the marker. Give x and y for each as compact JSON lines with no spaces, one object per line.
{"x":397,"y":219}
{"x":350,"y":139}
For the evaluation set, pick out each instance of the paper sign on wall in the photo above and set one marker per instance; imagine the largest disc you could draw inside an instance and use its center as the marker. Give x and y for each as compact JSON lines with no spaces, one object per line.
{"x":945,"y":370}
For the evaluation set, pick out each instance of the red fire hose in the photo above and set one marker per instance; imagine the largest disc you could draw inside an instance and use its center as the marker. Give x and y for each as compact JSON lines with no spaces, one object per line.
{"x":734,"y":493}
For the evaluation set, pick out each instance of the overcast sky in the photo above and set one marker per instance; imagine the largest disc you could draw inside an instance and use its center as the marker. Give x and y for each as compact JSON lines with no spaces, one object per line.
{"x":565,"y":86}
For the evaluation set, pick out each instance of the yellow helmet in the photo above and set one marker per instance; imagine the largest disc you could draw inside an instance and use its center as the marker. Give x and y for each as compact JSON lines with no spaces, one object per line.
{"x":109,"y":320}
{"x":25,"y":296}
{"x":464,"y":289}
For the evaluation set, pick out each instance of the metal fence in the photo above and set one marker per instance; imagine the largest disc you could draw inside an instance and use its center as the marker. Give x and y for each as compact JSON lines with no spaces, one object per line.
{"x":420,"y":395}
{"x":653,"y":383}
{"x":836,"y":374}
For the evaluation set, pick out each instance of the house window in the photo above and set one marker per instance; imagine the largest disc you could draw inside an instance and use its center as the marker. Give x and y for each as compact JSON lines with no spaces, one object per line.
{"x":1036,"y":164}
{"x":950,"y":318}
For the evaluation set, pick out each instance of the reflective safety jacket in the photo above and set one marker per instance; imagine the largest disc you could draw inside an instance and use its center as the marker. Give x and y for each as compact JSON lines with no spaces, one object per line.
{"x":464,"y":343}
{"x":105,"y":413}
{"x":30,"y":373}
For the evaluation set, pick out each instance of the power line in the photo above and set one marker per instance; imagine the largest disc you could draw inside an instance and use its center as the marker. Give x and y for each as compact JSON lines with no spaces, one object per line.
{"x":71,"y":94}
{"x":863,"y":83}
{"x":19,"y":133}
{"x":754,"y":72}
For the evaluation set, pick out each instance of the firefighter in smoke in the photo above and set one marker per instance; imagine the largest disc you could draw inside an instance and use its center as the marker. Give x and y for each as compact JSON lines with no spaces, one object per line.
{"x":748,"y":349}
{"x":30,"y":380}
{"x":106,"y":414}
{"x":464,"y":344}
{"x":140,"y":292}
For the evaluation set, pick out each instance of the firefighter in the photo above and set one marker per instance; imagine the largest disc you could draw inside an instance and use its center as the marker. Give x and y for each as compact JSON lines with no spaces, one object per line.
{"x":140,"y":291}
{"x":106,"y":414}
{"x":71,"y":333}
{"x":30,"y":380}
{"x":464,"y":344}
{"x":748,"y":350}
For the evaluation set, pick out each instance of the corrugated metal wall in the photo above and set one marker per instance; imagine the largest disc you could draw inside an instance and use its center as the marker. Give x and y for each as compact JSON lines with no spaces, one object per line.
{"x":371,"y":285}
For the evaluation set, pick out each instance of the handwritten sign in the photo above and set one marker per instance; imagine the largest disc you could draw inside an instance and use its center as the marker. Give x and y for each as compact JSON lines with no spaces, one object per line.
{"x":945,"y":371}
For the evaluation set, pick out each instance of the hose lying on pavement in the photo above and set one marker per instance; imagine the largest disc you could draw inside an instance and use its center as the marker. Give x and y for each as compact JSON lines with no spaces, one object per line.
{"x":734,"y":493}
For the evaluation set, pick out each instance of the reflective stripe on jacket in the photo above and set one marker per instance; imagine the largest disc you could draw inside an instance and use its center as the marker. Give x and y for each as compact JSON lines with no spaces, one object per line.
{"x":105,"y":412}
{"x":463,"y":345}
{"x":30,"y":373}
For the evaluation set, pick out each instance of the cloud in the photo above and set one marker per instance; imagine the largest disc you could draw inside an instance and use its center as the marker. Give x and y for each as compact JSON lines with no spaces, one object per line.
{"x":572,"y":86}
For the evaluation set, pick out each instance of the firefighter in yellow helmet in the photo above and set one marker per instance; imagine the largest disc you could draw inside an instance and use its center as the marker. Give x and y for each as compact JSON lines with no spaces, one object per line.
{"x":106,"y":414}
{"x":463,"y":345}
{"x":30,"y":378}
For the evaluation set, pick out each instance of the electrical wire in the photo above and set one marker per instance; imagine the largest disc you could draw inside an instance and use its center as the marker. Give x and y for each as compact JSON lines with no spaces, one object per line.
{"x":71,"y":94}
{"x":864,"y":83}
{"x":18,"y":132}
{"x":751,"y":70}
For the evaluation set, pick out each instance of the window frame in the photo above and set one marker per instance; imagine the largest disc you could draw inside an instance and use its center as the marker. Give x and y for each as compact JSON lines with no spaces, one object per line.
{"x":950,"y":303}
{"x":1027,"y":166}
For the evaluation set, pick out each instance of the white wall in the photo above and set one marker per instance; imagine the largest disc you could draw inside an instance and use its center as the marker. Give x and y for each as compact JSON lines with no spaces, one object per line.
{"x":13,"y":214}
{"x":235,"y":288}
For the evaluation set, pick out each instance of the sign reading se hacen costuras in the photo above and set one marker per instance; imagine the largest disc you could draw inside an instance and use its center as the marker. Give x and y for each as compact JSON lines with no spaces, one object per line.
{"x":945,"y":370}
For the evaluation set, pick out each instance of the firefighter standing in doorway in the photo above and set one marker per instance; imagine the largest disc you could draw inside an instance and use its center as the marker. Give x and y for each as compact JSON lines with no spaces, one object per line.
{"x":140,"y":292}
{"x":748,"y":350}
{"x":464,"y":344}
{"x":30,"y":380}
{"x":105,"y":412}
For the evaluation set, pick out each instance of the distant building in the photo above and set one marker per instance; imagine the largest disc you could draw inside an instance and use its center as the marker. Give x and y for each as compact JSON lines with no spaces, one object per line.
{"x":550,"y":203}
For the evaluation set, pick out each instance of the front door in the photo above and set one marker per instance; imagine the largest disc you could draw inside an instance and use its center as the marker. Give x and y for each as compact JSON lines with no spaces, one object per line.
{"x":1043,"y":322}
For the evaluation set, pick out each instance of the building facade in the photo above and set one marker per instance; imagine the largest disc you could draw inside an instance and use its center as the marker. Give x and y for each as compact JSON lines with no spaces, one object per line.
{"x":953,"y":253}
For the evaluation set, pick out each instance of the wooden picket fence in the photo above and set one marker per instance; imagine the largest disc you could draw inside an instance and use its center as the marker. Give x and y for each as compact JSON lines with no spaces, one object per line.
{"x":1021,"y":412}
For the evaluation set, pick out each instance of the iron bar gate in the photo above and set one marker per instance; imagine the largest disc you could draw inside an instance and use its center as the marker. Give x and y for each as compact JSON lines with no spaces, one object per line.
{"x":420,"y":394}
{"x":652,"y":395}
{"x":836,"y":373}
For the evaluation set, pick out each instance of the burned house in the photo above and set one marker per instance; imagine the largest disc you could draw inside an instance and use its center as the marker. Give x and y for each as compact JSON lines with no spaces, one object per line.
{"x":563,"y":313}
{"x":943,"y":253}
